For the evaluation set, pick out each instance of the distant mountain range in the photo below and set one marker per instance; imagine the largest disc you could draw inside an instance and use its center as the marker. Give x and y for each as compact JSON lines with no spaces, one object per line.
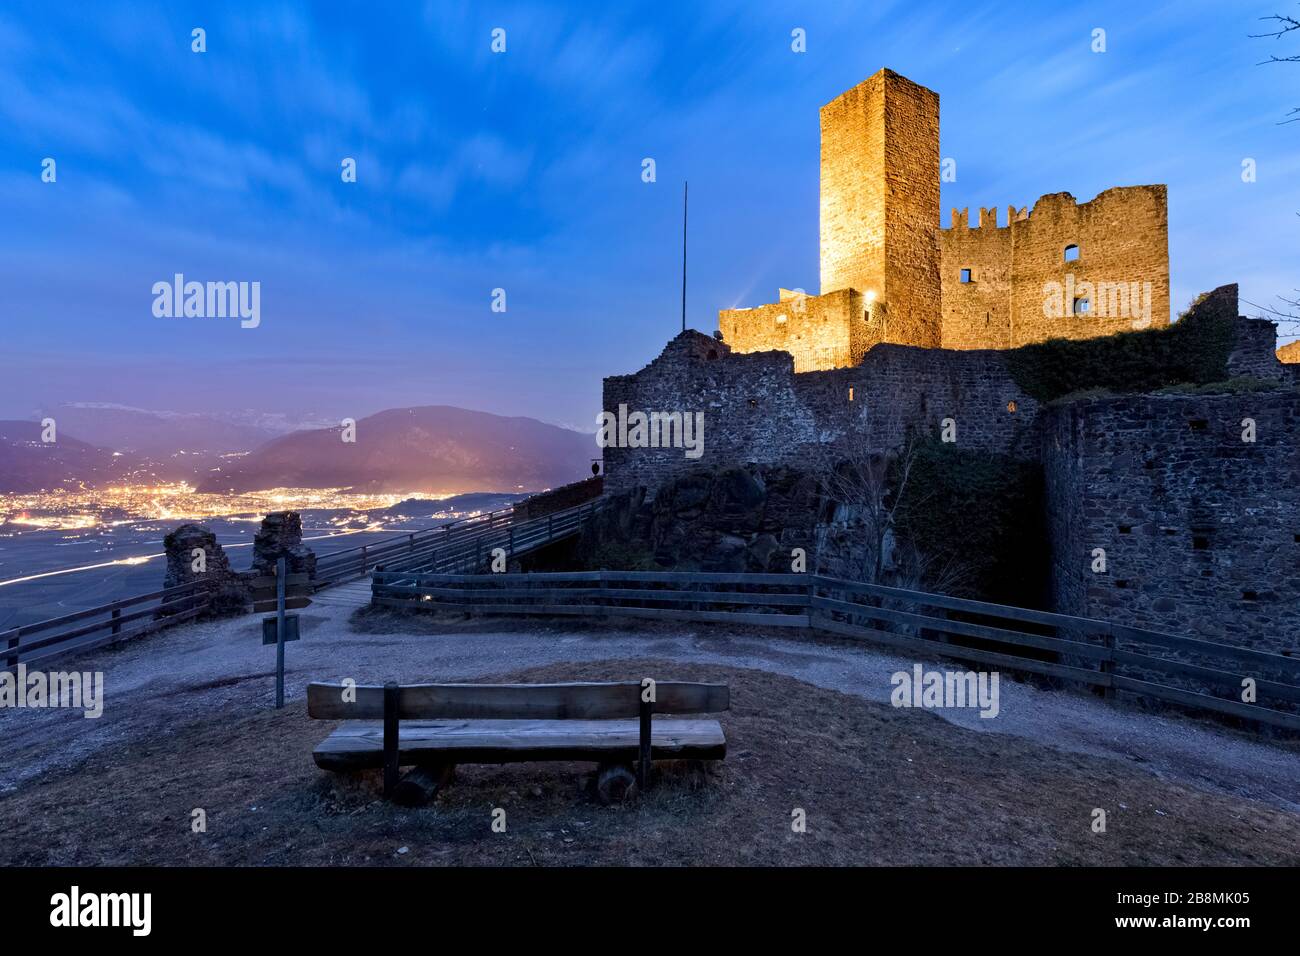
{"x":436,"y":448}
{"x":28,"y":464}
{"x":432,"y":448}
{"x":145,"y":432}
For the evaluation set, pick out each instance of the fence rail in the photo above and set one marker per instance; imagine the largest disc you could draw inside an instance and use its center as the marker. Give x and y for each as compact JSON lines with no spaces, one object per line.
{"x":460,"y":545}
{"x":1100,"y":654}
{"x":97,"y":626}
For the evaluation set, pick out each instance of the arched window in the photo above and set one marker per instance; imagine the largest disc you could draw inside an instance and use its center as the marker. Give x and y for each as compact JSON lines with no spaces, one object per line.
{"x":1071,"y":253}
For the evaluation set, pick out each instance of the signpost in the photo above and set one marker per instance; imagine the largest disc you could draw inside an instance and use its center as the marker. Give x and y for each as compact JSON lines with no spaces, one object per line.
{"x":290,"y":592}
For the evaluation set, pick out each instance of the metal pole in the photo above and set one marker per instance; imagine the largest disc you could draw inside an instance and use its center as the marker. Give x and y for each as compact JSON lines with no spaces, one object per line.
{"x":685,"y":194}
{"x":279,"y":632}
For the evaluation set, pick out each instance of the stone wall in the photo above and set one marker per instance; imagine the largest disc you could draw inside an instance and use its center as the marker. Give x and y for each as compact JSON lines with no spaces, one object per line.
{"x":231,"y":593}
{"x":758,"y":409}
{"x":1122,"y":236}
{"x":280,"y":535}
{"x":819,"y":331}
{"x":1289,"y":354}
{"x":557,"y":499}
{"x":1201,"y":529}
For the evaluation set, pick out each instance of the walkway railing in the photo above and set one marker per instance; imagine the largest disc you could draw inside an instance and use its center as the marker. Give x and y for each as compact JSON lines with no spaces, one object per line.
{"x":106,"y":624}
{"x":1112,"y":657}
{"x":469,"y":547}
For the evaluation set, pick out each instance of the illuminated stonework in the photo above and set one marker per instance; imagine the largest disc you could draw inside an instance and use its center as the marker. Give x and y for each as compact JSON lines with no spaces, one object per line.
{"x":889,"y":273}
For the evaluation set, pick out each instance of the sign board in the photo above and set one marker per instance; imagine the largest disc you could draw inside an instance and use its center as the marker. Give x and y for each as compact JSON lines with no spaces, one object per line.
{"x":265,"y":605}
{"x":269,"y":580}
{"x":290,"y":628}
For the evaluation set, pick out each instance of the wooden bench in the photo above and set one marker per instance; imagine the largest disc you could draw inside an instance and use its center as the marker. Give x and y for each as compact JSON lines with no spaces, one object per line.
{"x":436,"y":726}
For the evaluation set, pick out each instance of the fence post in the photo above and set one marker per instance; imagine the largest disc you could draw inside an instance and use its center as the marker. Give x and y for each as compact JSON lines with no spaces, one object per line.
{"x":412,"y":537}
{"x":363,"y":559}
{"x":1108,"y":663}
{"x":812,"y":611}
{"x":117,"y":623}
{"x":280,"y":574}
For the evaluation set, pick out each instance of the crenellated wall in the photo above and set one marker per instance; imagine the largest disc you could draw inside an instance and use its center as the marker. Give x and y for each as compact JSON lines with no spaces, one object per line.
{"x":1024,"y":290}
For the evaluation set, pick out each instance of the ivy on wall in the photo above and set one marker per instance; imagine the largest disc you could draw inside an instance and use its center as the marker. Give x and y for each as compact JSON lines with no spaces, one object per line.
{"x":1192,"y":351}
{"x":983,"y":514}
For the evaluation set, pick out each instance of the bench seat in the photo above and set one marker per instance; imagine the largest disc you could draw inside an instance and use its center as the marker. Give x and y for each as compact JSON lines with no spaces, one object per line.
{"x":359,"y":744}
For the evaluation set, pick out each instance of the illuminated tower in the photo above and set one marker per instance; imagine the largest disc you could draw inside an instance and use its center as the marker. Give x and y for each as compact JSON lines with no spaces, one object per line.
{"x":880,"y":204}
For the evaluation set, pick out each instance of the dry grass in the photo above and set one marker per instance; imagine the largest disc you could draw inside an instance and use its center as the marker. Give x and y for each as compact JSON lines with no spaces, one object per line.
{"x":879,"y":786}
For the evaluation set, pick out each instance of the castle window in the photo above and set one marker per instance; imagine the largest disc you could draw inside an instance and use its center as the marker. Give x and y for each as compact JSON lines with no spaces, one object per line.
{"x":1200,"y":542}
{"x":753,"y":403}
{"x":967,"y":276}
{"x":1072,"y":253}
{"x":1249,"y":596}
{"x":1198,"y":424}
{"x":1082,"y":306}
{"x":1011,"y":407}
{"x":1126,"y":529}
{"x":850,"y":393}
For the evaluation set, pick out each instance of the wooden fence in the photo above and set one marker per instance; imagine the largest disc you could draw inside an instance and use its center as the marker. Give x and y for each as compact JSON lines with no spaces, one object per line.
{"x":1111,"y":657}
{"x":461,"y":545}
{"x":106,"y":624}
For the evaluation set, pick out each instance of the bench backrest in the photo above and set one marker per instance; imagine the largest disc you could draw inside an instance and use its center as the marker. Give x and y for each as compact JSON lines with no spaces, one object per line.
{"x":584,"y":701}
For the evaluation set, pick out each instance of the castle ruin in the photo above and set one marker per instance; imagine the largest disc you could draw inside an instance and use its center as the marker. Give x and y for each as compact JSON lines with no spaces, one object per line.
{"x":890,"y":274}
{"x":926,"y":331}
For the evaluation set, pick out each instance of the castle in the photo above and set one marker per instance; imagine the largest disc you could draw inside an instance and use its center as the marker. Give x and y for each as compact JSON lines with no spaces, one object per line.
{"x":890,"y":274}
{"x":919,"y":330}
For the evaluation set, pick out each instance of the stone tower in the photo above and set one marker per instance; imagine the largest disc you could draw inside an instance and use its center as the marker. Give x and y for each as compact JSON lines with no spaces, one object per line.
{"x":880,"y":204}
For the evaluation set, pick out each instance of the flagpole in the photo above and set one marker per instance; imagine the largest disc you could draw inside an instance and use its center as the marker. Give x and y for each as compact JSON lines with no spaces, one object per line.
{"x":685,"y":195}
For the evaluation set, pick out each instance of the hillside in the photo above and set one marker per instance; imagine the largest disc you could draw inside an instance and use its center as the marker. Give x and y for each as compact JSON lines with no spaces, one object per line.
{"x":431,"y":448}
{"x":28,"y":464}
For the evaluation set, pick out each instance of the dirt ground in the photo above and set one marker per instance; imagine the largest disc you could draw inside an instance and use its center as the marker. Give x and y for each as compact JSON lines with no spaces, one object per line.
{"x":878,"y":786}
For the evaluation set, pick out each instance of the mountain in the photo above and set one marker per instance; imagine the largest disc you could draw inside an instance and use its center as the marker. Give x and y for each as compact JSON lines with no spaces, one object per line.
{"x":28,"y":464}
{"x":433,"y":448}
{"x":159,"y":434}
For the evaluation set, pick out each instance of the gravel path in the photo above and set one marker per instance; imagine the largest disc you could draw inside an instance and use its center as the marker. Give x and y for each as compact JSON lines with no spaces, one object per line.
{"x":193,"y":671}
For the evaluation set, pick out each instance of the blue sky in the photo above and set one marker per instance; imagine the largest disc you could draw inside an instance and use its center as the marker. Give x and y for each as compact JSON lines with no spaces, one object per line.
{"x":522,"y":171}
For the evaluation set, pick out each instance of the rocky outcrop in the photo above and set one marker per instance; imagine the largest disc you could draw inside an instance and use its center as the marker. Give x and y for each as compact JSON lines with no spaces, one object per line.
{"x":281,"y":536}
{"x":735,"y":519}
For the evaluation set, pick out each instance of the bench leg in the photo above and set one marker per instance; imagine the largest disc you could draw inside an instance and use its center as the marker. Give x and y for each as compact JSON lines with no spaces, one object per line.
{"x":614,"y":781}
{"x":391,"y":753}
{"x":643,"y":764}
{"x":422,"y":783}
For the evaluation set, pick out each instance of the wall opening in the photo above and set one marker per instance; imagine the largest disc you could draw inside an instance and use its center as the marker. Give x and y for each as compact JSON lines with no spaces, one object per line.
{"x":1126,"y":529}
{"x":1071,"y":253}
{"x":1198,"y":424}
{"x":967,"y":276}
{"x":1249,"y":596}
{"x":1200,"y":542}
{"x":1082,"y":305}
{"x":1011,"y":407}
